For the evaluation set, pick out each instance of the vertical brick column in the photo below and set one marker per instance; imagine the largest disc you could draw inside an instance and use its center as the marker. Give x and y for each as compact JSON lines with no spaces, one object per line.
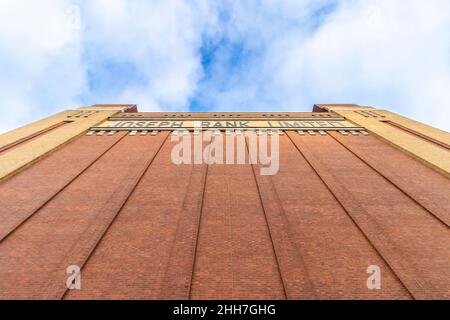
{"x":235,"y":256}
{"x":89,"y":240}
{"x":132,"y":259}
{"x":180,"y":267}
{"x":294,"y":273}
{"x":66,"y":230}
{"x":48,"y":178}
{"x":335,"y":253}
{"x":409,"y":136}
{"x":411,"y":255}
{"x":432,"y":191}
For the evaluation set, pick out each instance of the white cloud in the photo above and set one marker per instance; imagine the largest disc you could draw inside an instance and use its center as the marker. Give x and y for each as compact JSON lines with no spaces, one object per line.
{"x":392,"y":54}
{"x":39,"y":60}
{"x":124,"y":52}
{"x":387,"y":53}
{"x":159,"y":40}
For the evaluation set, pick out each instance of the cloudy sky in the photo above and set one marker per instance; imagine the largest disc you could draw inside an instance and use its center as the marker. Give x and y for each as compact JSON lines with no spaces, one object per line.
{"x":224,"y":55}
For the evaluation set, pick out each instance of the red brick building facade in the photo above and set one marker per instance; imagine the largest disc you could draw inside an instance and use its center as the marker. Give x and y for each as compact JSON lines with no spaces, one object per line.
{"x":140,"y":227}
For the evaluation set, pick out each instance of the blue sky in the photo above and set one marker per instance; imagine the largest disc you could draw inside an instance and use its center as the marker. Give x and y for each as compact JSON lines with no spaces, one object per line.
{"x":204,"y":55}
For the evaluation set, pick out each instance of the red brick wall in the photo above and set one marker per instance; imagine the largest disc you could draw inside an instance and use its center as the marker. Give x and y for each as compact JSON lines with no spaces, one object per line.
{"x":142,"y":227}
